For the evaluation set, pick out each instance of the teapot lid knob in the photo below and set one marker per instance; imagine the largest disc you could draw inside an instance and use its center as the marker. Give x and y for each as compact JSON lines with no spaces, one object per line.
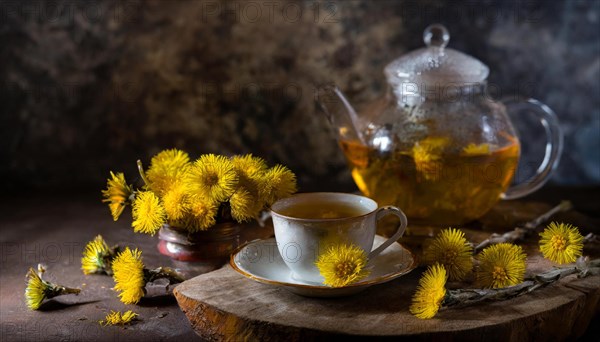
{"x":436,"y":35}
{"x":436,"y":63}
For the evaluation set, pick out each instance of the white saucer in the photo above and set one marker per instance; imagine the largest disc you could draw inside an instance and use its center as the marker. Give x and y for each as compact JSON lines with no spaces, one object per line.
{"x":260,"y":260}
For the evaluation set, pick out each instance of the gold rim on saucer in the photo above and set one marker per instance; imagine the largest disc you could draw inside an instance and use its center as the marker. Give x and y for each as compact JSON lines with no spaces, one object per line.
{"x":379,"y":280}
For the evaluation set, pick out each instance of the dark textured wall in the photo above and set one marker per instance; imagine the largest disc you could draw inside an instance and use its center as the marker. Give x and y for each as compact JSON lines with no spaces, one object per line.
{"x":89,"y":87}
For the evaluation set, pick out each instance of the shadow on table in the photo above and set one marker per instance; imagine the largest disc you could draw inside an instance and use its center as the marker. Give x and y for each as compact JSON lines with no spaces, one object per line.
{"x":162,"y":300}
{"x":54,"y":305}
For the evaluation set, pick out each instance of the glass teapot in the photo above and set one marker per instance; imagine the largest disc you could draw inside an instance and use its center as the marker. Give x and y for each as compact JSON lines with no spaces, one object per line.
{"x":436,"y":145}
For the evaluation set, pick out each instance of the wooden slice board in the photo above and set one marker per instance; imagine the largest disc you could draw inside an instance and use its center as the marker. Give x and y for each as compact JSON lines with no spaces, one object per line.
{"x":224,"y":305}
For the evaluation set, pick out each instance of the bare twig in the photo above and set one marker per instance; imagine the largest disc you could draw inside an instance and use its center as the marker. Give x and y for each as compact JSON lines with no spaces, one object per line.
{"x":561,"y":207}
{"x":464,"y":297}
{"x":519,"y":233}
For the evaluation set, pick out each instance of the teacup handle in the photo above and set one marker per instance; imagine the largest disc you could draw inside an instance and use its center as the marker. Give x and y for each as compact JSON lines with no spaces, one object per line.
{"x":382,"y":212}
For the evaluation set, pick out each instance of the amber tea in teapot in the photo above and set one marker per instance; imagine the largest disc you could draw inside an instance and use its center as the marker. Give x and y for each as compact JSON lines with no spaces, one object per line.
{"x":424,"y":180}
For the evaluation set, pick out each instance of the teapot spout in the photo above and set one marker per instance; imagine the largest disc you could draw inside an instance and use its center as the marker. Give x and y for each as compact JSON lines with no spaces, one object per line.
{"x":340,"y":113}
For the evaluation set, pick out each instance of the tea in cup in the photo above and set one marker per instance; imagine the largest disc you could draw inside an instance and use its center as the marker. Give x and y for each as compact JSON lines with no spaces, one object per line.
{"x":307,"y":224}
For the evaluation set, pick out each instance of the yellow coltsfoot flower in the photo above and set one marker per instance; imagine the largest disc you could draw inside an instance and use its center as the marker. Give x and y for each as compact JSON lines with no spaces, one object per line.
{"x":453,"y":251}
{"x":561,"y":243}
{"x":118,"y":318}
{"x":212,"y":177}
{"x":117,"y":194}
{"x":249,"y":165}
{"x":427,"y":155}
{"x":501,"y":265}
{"x":242,"y":205}
{"x":431,"y":292}
{"x":97,"y":257}
{"x":278,"y":182}
{"x":203,"y":215}
{"x":250,"y":184}
{"x":476,"y":150}
{"x":128,"y":273}
{"x":38,"y":289}
{"x":176,"y":202}
{"x":148,"y":213}
{"x":167,"y":168}
{"x":131,"y":276}
{"x":247,"y":197}
{"x":342,"y":264}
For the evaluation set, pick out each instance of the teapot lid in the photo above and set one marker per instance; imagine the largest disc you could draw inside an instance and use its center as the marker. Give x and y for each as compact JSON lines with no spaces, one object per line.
{"x":436,"y":64}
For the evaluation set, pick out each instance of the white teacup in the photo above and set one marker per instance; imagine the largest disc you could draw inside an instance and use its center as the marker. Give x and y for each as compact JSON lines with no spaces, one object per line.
{"x":303,"y":229}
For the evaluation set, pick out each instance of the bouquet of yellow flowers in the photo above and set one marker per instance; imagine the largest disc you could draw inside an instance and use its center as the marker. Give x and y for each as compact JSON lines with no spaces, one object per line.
{"x":193,"y":196}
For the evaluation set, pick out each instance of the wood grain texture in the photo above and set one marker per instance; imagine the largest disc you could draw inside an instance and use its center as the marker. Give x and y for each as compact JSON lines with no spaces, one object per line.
{"x":224,"y":305}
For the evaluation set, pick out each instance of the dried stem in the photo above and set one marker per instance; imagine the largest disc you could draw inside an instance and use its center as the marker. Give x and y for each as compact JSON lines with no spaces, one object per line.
{"x":142,"y":173}
{"x":58,"y":290}
{"x":466,"y":297}
{"x":520,"y":233}
{"x":165,"y":272}
{"x":561,"y":207}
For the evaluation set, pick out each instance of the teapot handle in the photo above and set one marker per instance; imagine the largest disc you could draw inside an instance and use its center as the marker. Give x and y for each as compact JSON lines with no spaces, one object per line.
{"x":554,"y":146}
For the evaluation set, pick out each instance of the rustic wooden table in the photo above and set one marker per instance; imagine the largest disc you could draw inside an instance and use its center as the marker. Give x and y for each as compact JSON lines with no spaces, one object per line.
{"x":224,"y":305}
{"x":54,"y":229}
